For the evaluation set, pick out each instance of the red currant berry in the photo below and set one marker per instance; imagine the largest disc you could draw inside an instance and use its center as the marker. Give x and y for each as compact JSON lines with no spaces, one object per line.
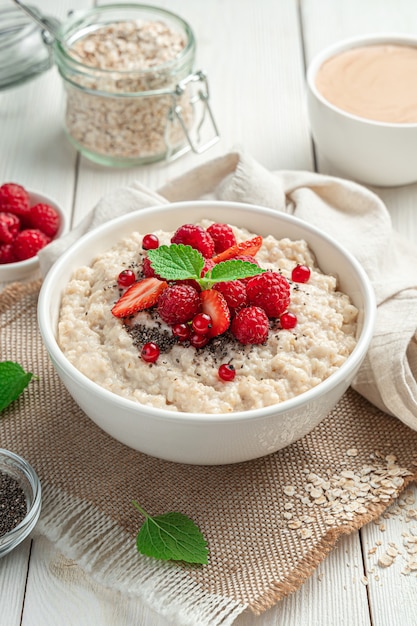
{"x":181,"y":331}
{"x":126,"y":278}
{"x":150,"y":352}
{"x":201,"y":323}
{"x":300,"y":274}
{"x":150,"y":242}
{"x":198,"y":341}
{"x":288,"y":320}
{"x":227,"y":372}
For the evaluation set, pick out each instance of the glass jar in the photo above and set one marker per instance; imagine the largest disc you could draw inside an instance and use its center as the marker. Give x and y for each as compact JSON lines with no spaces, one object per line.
{"x":23,"y":51}
{"x":129,"y":85}
{"x":27,"y":480}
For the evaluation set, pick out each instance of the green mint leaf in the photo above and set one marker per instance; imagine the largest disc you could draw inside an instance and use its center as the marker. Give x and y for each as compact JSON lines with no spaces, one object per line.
{"x":13,"y":380}
{"x":180,"y":262}
{"x":230,"y":270}
{"x":171,"y":537}
{"x":176,"y":262}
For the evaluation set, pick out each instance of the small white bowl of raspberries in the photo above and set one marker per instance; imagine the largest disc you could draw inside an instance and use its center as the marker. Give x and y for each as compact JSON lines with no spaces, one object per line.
{"x":29,"y":221}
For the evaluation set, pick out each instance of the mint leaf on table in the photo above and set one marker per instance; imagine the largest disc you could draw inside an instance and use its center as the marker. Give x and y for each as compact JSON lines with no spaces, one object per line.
{"x":181,"y":262}
{"x":171,"y":537}
{"x":13,"y":381}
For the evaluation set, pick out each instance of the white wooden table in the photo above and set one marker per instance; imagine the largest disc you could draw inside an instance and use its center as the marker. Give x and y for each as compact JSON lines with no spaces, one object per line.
{"x":255,"y":54}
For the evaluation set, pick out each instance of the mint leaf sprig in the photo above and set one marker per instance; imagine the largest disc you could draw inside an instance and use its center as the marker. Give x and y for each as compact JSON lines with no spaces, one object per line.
{"x":181,"y":262}
{"x":13,"y":381}
{"x":171,"y":537}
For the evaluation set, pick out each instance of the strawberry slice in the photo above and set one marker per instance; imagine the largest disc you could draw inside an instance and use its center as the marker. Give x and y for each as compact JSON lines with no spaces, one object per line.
{"x":139,"y":296}
{"x":249,"y":248}
{"x":214,"y":304}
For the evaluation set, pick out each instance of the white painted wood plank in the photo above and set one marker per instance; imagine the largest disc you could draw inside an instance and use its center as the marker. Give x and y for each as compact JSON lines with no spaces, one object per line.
{"x":333,"y":595}
{"x":59,"y":593}
{"x":13,"y":573}
{"x":392,"y":590}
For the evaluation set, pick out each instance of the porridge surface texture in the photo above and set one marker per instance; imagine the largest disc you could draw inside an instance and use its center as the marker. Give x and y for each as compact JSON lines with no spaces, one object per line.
{"x":292,"y":361}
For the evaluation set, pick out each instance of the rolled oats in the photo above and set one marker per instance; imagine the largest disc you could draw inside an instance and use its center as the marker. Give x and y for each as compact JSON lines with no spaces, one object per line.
{"x":340,"y":497}
{"x":120,"y":102}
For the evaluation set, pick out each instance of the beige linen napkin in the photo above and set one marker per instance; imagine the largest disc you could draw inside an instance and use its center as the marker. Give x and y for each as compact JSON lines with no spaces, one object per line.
{"x":348,"y":212}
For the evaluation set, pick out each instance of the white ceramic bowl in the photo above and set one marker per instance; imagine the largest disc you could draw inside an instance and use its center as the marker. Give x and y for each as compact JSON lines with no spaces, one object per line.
{"x":194,"y":437}
{"x":371,"y":152}
{"x":23,"y":269}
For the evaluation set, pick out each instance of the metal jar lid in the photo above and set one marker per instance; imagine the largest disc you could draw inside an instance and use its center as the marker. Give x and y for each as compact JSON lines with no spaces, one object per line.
{"x":25,"y":50}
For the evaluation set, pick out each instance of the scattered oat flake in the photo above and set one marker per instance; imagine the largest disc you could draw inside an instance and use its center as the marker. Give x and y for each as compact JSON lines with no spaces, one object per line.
{"x":289,"y":490}
{"x":385,"y":560}
{"x":294,"y":524}
{"x":352,"y":452}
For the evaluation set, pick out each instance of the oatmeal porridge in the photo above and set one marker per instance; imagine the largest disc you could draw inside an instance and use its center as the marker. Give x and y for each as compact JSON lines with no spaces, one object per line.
{"x":242,"y":362}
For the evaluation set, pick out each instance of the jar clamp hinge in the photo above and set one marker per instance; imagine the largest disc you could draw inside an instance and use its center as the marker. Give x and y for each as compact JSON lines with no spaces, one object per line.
{"x":197,"y":144}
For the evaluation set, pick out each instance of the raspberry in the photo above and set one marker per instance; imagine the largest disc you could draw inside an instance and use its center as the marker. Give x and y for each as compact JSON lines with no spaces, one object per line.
{"x":196,"y":237}
{"x":178,"y":304}
{"x":44,"y":218}
{"x":14,"y":199}
{"x":28,"y":243}
{"x":271,"y":291}
{"x":9,"y":227}
{"x":234,"y":292}
{"x":208,"y":265}
{"x":250,"y":325}
{"x":223,"y":237}
{"x":7,"y":254}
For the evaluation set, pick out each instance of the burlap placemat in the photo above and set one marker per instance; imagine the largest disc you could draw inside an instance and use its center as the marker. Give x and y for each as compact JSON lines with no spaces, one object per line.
{"x":268,"y":522}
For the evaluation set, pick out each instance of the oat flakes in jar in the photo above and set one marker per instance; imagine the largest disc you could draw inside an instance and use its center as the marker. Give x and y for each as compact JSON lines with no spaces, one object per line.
{"x":131,"y":94}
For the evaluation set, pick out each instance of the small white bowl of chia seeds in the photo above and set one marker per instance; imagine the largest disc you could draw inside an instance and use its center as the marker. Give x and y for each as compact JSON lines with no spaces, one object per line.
{"x":20,"y":500}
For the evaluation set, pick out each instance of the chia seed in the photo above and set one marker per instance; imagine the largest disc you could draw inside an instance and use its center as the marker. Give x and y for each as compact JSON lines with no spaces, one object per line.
{"x":141,"y":334}
{"x":13,"y":507}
